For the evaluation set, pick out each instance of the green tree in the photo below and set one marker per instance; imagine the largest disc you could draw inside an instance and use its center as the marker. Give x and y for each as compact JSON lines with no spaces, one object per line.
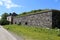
{"x":3,"y":20}
{"x":4,"y":16}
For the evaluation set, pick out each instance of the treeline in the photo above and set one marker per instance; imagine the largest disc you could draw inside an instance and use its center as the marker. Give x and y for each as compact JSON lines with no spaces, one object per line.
{"x":3,"y":20}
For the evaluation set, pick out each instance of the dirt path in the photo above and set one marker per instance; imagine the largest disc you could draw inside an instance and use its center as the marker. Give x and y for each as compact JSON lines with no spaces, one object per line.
{"x":5,"y":35}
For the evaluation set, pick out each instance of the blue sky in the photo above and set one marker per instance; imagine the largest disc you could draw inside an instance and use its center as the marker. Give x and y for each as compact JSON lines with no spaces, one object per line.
{"x":20,"y":6}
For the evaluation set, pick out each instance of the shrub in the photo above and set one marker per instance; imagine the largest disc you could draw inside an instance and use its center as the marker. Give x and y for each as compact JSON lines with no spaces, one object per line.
{"x":4,"y":22}
{"x":59,"y":35}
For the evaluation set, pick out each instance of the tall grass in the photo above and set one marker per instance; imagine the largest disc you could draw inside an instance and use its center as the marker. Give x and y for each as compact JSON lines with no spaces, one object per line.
{"x":34,"y":33}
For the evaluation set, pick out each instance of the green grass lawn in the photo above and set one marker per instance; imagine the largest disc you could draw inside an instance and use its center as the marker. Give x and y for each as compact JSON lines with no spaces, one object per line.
{"x":34,"y":33}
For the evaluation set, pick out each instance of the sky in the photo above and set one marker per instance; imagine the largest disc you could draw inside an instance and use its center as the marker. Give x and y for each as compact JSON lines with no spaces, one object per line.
{"x":20,"y":6}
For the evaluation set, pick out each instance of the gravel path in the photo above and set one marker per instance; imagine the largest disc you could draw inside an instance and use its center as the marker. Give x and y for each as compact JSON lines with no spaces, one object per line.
{"x":5,"y":35}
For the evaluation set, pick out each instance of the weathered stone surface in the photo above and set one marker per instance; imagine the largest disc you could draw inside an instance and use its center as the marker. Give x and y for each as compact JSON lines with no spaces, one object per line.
{"x":38,"y":19}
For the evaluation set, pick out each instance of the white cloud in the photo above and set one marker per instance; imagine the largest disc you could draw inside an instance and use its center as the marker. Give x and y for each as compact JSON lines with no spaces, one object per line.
{"x":1,"y":3}
{"x":9,"y":4}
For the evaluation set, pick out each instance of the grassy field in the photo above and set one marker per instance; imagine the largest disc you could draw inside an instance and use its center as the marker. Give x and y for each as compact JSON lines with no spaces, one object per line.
{"x":34,"y":33}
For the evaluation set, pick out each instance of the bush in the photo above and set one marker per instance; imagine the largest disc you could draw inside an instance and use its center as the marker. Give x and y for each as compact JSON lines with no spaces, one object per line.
{"x":59,"y":35}
{"x":4,"y":22}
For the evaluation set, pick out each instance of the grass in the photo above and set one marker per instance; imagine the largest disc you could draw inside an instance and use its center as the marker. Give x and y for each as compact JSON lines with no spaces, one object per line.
{"x":34,"y":33}
{"x":29,"y":13}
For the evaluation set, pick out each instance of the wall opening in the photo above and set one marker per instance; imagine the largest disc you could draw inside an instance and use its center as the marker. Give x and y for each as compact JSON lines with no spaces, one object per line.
{"x":26,"y":23}
{"x":15,"y":22}
{"x":8,"y":19}
{"x":19,"y":23}
{"x":48,"y":19}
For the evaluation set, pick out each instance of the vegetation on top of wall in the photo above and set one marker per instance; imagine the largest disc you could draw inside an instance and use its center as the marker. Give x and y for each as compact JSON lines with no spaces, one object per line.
{"x":36,"y":11}
{"x":33,"y":12}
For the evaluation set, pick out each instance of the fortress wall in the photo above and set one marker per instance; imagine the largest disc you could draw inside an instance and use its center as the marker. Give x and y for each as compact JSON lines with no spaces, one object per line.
{"x":39,"y":19}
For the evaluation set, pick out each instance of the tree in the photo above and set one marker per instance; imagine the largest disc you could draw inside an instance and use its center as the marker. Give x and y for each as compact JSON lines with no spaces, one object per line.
{"x":14,"y":14}
{"x":3,"y":20}
{"x":4,"y":16}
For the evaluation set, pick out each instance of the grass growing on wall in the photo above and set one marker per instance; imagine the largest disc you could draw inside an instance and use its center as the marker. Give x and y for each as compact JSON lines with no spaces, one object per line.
{"x":34,"y":33}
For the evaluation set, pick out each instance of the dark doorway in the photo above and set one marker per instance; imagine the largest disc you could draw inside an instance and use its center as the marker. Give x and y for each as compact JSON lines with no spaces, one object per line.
{"x":26,"y":23}
{"x":19,"y":23}
{"x":15,"y":22}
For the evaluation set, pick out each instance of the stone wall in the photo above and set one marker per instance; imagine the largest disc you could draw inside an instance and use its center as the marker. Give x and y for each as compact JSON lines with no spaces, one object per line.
{"x":43,"y":19}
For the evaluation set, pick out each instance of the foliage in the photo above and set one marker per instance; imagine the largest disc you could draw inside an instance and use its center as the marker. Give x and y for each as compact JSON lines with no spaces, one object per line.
{"x":3,"y":20}
{"x":4,"y":16}
{"x":59,"y":35}
{"x":34,"y":33}
{"x":33,"y":12}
